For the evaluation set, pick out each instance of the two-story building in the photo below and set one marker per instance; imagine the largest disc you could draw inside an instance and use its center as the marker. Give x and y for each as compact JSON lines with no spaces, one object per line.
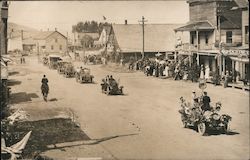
{"x":214,"y":25}
{"x":51,"y":42}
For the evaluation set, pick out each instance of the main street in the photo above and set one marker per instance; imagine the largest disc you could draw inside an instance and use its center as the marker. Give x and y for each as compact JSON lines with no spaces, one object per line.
{"x":146,"y":117}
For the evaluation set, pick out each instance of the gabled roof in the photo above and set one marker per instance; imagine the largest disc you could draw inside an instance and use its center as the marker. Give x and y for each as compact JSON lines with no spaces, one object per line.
{"x":242,"y":3}
{"x":230,"y":21}
{"x":158,"y":37}
{"x":44,"y":34}
{"x":107,"y":29}
{"x":193,"y":26}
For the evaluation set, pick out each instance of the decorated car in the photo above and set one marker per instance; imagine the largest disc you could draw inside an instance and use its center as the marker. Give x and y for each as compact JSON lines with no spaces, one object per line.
{"x":111,"y":87}
{"x":204,"y":121}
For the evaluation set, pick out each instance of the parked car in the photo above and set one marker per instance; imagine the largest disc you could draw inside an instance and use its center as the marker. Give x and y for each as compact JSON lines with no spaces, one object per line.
{"x":68,"y":70}
{"x":53,"y":60}
{"x":60,"y":66}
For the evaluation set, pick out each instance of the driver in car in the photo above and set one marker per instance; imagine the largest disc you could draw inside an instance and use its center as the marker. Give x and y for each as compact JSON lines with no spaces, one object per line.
{"x":206,"y":103}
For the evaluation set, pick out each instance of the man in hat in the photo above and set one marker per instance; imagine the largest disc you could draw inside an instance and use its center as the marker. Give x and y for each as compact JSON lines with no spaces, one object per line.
{"x":206,"y":102}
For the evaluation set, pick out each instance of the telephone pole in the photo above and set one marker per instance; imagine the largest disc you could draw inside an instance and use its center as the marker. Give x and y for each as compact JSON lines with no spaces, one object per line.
{"x":143,"y":45}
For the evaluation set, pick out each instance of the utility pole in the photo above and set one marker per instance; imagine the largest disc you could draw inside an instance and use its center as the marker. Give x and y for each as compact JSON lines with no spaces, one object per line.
{"x":3,"y":51}
{"x":143,"y":45}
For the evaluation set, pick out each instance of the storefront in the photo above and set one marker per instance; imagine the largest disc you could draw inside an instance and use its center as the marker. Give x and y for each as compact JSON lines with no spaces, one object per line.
{"x":239,"y":62}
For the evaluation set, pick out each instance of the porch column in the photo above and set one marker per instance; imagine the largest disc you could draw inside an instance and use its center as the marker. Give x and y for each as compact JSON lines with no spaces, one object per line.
{"x":224,"y":65}
{"x":197,"y":38}
{"x":243,"y":70}
{"x":233,"y":70}
{"x":198,"y":59}
{"x":175,"y":52}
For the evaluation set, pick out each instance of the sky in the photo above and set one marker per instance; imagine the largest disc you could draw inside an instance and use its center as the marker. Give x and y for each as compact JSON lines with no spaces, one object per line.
{"x":63,"y":14}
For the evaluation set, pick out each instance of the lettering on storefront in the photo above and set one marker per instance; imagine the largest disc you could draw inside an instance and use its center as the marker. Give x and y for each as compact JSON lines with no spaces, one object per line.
{"x":238,"y":53}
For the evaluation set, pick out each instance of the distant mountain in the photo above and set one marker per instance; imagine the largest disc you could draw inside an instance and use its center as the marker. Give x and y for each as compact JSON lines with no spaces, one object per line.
{"x":17,"y":27}
{"x":15,"y":30}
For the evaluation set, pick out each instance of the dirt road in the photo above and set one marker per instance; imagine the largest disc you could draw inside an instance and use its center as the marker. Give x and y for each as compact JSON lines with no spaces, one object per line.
{"x":145,"y":120}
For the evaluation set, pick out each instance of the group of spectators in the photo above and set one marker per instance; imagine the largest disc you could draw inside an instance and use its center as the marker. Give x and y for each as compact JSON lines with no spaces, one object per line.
{"x":167,"y":68}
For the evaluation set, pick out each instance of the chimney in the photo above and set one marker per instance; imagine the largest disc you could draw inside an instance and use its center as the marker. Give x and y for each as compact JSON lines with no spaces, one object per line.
{"x":126,"y":22}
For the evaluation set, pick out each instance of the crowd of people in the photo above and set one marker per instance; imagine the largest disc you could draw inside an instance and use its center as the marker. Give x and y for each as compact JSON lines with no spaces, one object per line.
{"x":167,"y":68}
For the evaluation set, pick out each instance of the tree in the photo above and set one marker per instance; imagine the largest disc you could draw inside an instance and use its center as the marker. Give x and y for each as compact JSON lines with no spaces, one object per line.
{"x":87,"y":41}
{"x":88,"y":26}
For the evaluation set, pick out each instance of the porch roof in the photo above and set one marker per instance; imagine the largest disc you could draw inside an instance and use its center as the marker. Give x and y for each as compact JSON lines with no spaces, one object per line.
{"x":193,"y":26}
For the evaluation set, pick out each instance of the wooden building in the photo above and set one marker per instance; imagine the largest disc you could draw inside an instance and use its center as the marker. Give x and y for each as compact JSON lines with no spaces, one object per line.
{"x":126,"y":40}
{"x":214,"y":26}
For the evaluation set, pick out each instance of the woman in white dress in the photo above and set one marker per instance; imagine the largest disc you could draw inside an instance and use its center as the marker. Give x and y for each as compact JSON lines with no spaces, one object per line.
{"x":207,"y":71}
{"x":202,"y":72}
{"x":166,"y":70}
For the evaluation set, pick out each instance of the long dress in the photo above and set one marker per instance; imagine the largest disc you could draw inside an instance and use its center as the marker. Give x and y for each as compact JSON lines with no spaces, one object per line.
{"x":207,"y":70}
{"x":202,"y":73}
{"x":166,"y":71}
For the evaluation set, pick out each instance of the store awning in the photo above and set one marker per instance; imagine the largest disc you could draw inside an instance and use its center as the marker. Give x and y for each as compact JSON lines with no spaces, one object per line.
{"x":197,"y":26}
{"x":244,"y":60}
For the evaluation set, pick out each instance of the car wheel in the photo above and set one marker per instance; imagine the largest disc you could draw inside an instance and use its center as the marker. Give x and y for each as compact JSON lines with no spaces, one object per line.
{"x":184,"y":124}
{"x":201,"y":128}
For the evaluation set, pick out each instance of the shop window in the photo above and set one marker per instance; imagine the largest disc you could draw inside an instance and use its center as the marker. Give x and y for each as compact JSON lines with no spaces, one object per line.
{"x":192,"y":39}
{"x":246,"y":34}
{"x":229,"y":37}
{"x":206,"y":38}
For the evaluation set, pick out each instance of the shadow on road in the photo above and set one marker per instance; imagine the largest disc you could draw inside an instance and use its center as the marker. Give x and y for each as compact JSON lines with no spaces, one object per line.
{"x":22,"y":97}
{"x":13,"y":73}
{"x":53,"y":99}
{"x":97,"y":141}
{"x":13,"y":82}
{"x":215,"y":132}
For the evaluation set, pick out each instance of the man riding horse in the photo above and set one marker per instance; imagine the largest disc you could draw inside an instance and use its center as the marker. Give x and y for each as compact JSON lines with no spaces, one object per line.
{"x":45,"y":87}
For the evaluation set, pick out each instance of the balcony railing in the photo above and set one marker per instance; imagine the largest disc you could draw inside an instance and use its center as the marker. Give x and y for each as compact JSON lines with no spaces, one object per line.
{"x":193,"y":47}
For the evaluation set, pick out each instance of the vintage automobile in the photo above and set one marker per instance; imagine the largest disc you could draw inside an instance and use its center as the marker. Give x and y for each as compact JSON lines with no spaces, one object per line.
{"x":205,"y":121}
{"x":84,"y":76}
{"x":53,"y":60}
{"x":111,"y":87}
{"x":60,"y":66}
{"x":68,"y":70}
{"x":45,"y":61}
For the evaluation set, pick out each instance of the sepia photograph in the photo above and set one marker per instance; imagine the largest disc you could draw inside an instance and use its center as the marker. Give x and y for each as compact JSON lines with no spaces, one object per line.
{"x":125,"y":80}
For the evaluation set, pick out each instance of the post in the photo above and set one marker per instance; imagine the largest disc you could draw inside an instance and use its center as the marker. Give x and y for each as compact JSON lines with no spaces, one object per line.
{"x":143,"y":21}
{"x":233,"y":68}
{"x":175,"y":52}
{"x":197,"y":38}
{"x":220,"y":54}
{"x":143,"y":54}
{"x":224,"y":65}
